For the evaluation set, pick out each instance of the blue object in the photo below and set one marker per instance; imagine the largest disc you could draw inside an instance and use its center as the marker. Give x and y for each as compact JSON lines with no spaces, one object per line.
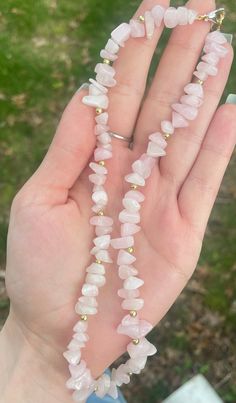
{"x":108,"y":399}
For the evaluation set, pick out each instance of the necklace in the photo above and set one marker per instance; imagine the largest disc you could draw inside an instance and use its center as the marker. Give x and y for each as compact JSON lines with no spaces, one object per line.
{"x":139,"y":348}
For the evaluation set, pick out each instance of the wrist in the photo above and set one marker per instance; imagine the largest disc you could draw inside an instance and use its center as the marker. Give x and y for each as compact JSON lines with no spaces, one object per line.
{"x":30,"y":372}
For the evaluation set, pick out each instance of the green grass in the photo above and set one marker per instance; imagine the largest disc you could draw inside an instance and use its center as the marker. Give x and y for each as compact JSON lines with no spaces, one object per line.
{"x":47,"y":49}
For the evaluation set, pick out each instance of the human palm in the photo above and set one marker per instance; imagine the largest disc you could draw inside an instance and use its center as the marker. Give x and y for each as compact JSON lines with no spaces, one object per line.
{"x":50,"y":236}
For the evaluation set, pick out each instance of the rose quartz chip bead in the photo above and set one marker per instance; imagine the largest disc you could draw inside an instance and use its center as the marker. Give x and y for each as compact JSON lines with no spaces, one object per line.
{"x":171,"y":17}
{"x":178,"y":121}
{"x":121,"y":34}
{"x":101,"y":154}
{"x":158,"y":15}
{"x":122,"y":243}
{"x":137,"y":29}
{"x":149,"y":24}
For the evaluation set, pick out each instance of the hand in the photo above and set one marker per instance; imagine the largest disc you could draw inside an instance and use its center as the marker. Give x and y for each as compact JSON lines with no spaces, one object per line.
{"x":50,"y":236}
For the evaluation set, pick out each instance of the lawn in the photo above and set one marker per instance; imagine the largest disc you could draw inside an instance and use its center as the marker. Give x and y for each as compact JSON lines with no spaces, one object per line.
{"x":47,"y":49}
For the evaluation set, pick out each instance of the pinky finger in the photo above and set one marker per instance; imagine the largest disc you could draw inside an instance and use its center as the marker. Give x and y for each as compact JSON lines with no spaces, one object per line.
{"x":200,"y":189}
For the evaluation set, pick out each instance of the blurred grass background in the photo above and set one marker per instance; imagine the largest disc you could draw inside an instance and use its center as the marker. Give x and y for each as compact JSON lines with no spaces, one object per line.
{"x":47,"y":49}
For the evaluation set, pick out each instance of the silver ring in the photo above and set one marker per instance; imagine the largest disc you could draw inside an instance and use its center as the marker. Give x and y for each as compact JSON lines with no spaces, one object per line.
{"x":119,"y":137}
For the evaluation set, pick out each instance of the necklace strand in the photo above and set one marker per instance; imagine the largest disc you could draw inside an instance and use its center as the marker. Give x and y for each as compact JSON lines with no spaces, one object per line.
{"x":81,"y":380}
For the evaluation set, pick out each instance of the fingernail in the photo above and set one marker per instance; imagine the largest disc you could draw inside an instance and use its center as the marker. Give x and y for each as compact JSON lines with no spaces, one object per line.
{"x":229,"y":37}
{"x":231,"y":99}
{"x":84,"y":86}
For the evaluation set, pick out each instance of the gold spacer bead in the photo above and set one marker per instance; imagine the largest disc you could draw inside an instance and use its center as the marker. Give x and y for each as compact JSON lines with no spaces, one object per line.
{"x":135,"y":341}
{"x":99,"y":111}
{"x":95,"y":389}
{"x":130,"y":373}
{"x":102,"y":163}
{"x":133,"y":313}
{"x":107,"y":61}
{"x":166,"y":136}
{"x":130,"y":249}
{"x":98,"y":261}
{"x":84,"y":317}
{"x":141,"y":18}
{"x":201,"y":82}
{"x":101,"y":213}
{"x":134,"y":187}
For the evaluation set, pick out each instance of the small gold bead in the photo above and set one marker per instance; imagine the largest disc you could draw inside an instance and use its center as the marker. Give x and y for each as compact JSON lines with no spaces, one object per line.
{"x":84,"y":317}
{"x":101,"y":213}
{"x":106,"y":61}
{"x":98,"y":261}
{"x":130,"y":250}
{"x":134,"y":187}
{"x":135,"y":341}
{"x":99,"y":111}
{"x":133,"y":313}
{"x":130,"y":373}
{"x":102,"y":163}
{"x":201,"y":82}
{"x":95,"y":389}
{"x":141,"y":18}
{"x":166,"y":136}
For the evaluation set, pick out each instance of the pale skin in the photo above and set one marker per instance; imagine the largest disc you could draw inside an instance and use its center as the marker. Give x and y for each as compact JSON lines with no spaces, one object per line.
{"x":50,"y":236}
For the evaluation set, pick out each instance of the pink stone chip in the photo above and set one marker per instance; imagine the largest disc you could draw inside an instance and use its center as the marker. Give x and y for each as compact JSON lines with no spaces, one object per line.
{"x":112,"y":46}
{"x":126,"y":216}
{"x":191,"y":100}
{"x":142,"y":349}
{"x":194,"y":89}
{"x":128,"y":294}
{"x":179,"y":121}
{"x":102,"y":119}
{"x":158,"y":139}
{"x":77,"y":370}
{"x":207,"y":68}
{"x":121,"y":33}
{"x":136,"y":195}
{"x":135,"y":179}
{"x":97,"y":179}
{"x":200,"y":75}
{"x":215,"y":47}
{"x":122,"y":243}
{"x":192,"y":14}
{"x":107,"y":55}
{"x":97,"y":101}
{"x":158,"y":14}
{"x":137,"y":29}
{"x":125,"y":258}
{"x":211,"y":58}
{"x":182,"y":16}
{"x":132,"y":283}
{"x":188,"y":112}
{"x":170,"y":17}
{"x":125,"y":271}
{"x":99,"y":86}
{"x":131,"y":205}
{"x":149,"y":24}
{"x":154,"y":150}
{"x":216,"y":36}
{"x":129,"y":229}
{"x":104,"y":69}
{"x":142,"y":168}
{"x":134,"y":304}
{"x":103,"y":221}
{"x":166,"y":127}
{"x":102,"y":154}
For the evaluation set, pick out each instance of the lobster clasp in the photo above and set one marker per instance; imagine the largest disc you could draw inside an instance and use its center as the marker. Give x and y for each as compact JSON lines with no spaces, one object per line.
{"x":216,"y":17}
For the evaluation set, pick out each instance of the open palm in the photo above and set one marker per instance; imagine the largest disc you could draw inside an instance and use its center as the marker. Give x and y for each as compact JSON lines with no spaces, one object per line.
{"x":50,"y":236}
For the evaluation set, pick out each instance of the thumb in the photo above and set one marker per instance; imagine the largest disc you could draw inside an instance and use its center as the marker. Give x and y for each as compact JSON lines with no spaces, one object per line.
{"x":69,"y":151}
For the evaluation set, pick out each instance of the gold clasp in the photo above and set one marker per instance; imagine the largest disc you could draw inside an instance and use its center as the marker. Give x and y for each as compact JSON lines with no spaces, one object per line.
{"x":216,"y":17}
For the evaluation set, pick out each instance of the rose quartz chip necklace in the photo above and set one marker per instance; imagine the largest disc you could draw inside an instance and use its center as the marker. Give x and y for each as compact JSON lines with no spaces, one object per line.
{"x":81,"y":381}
